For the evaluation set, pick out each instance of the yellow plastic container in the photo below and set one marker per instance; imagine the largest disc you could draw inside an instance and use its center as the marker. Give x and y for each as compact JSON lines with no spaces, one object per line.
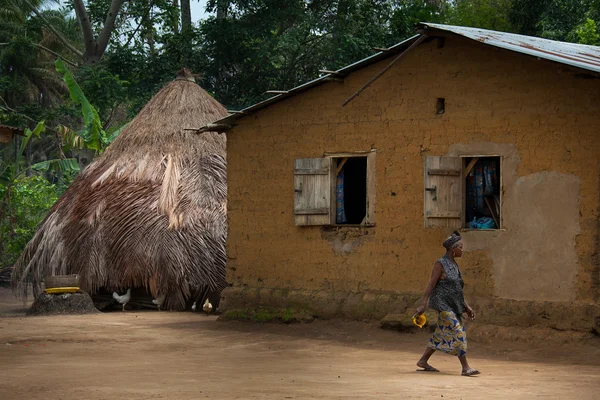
{"x":59,"y":290}
{"x":419,"y":320}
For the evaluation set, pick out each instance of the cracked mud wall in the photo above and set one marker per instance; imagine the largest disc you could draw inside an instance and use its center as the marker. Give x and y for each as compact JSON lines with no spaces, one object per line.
{"x":541,"y":116}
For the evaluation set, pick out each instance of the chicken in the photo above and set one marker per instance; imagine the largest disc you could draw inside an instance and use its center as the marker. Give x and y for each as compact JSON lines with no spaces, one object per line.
{"x":124,"y":299}
{"x":159,"y":301}
{"x":194,"y":306}
{"x":207,"y":307}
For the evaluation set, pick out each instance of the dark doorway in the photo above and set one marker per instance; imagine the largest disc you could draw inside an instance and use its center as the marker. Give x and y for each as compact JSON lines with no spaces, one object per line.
{"x":354,"y":189}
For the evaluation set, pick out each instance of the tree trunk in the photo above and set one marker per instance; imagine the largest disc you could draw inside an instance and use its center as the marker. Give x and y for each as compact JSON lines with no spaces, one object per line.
{"x":222,"y":7}
{"x":149,"y":31}
{"x":95,"y":47}
{"x":186,"y":16}
{"x":175,"y":20}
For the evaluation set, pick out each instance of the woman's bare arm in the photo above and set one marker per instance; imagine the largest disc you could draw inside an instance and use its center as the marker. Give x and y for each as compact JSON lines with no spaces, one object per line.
{"x":469,"y":310}
{"x":436,"y":273}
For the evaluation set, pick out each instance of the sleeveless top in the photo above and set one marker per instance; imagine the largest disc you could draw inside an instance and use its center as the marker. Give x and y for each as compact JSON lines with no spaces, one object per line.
{"x":447,"y":295}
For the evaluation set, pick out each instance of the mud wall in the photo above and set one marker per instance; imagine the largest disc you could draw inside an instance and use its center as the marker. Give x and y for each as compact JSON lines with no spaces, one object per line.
{"x":541,"y":117}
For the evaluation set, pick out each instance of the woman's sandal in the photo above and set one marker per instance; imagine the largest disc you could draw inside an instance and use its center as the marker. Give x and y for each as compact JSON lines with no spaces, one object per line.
{"x":428,"y":368}
{"x":470,"y":372}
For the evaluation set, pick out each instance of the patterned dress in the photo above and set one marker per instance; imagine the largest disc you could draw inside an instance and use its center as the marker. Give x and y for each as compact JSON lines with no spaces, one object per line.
{"x":448,"y":300}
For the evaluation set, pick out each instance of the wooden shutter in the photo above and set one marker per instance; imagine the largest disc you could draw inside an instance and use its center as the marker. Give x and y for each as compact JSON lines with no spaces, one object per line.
{"x":312,"y":191}
{"x":443,"y":192}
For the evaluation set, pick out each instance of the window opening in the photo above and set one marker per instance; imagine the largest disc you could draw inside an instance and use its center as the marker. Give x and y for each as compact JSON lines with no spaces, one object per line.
{"x":351,"y":190}
{"x":440,"y":106}
{"x":483,"y":185}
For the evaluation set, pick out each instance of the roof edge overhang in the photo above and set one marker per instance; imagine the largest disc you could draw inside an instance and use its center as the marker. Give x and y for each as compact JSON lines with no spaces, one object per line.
{"x":583,"y":57}
{"x":228,"y":122}
{"x":576,"y":55}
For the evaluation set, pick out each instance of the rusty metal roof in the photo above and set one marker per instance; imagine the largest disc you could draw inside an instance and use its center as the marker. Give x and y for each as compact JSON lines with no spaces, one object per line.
{"x":577,"y":55}
{"x":16,"y":130}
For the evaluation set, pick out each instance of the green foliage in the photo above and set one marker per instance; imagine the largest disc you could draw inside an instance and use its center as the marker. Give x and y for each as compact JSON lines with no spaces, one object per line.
{"x":66,"y":165}
{"x":561,"y":18}
{"x":25,"y":199}
{"x":37,"y":131}
{"x":410,"y":12}
{"x":10,"y":171}
{"x":525,"y":15}
{"x":266,"y":45}
{"x":587,"y":33}
{"x":103,"y":89}
{"x":487,"y":14}
{"x":93,"y":134}
{"x":30,"y":200}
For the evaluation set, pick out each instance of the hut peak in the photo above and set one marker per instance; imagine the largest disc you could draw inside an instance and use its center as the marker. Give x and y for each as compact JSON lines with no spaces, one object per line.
{"x":186,"y":74}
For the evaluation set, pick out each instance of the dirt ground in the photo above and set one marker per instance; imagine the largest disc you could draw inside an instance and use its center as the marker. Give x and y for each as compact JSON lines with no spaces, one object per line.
{"x":163,"y":355}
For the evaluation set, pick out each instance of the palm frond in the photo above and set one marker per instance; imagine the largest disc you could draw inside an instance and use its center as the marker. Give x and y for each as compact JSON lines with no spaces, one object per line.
{"x":66,"y":165}
{"x":9,"y":12}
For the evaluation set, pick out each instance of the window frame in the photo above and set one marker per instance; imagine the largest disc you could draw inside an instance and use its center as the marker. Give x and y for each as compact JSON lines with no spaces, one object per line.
{"x":463,"y":158}
{"x":369,"y":220}
{"x":445,"y":191}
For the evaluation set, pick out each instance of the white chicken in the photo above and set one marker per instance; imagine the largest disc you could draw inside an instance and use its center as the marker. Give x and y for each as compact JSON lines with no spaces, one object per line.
{"x":207,"y":307}
{"x":159,"y":301}
{"x":124,"y":299}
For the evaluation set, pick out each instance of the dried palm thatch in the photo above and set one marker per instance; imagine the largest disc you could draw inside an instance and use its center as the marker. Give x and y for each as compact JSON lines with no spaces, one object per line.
{"x":5,"y":273}
{"x":149,"y":212}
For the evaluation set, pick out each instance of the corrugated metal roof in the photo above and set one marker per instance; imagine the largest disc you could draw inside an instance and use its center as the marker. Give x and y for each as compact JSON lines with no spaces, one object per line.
{"x":577,"y":55}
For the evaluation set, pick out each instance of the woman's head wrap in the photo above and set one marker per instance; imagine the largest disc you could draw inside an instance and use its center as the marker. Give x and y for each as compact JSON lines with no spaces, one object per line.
{"x":452,"y":240}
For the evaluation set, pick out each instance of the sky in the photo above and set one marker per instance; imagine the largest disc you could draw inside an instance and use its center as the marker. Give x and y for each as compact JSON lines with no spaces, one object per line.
{"x":198,"y":8}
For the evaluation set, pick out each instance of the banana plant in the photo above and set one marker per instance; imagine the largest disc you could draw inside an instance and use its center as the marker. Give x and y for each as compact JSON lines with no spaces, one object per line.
{"x":11,"y":171}
{"x":92,"y":136}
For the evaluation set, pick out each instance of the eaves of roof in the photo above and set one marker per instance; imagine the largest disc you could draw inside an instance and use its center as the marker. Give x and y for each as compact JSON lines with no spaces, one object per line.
{"x":576,"y":55}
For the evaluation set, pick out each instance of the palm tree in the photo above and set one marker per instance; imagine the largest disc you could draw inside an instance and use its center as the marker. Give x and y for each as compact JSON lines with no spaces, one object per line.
{"x":27,"y":54}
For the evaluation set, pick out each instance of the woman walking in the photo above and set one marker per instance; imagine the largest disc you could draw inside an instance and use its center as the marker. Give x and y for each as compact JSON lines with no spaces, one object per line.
{"x":444,"y":293}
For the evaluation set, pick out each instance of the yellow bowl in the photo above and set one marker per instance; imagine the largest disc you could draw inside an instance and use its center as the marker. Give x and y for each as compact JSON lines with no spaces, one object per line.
{"x":58,"y":290}
{"x":419,"y":320}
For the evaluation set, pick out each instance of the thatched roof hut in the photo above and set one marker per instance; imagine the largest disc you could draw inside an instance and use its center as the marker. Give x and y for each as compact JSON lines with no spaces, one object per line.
{"x":149,"y":212}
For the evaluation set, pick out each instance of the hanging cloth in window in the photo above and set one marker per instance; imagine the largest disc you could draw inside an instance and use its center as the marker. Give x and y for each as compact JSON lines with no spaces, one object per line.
{"x":340,"y":211}
{"x":480,"y":183}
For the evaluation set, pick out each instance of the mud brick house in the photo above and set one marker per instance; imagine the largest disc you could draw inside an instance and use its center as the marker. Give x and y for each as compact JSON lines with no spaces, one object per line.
{"x":339,"y":202}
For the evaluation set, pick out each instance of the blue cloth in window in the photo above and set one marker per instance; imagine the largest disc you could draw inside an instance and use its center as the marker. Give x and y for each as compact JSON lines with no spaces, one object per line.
{"x":340,"y":212}
{"x":481,"y":182}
